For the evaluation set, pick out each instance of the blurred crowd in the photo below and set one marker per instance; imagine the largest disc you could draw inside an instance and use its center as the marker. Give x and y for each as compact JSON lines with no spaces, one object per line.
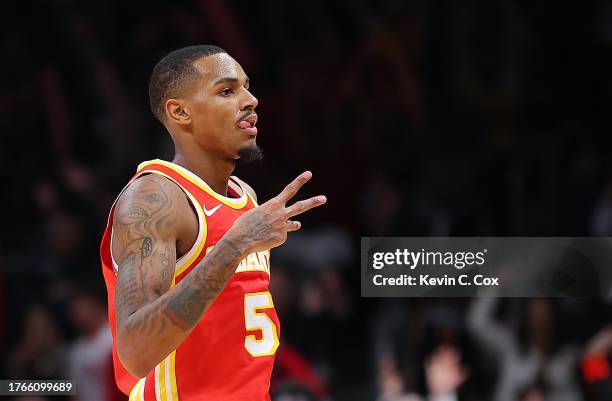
{"x":518,"y":349}
{"x":416,"y":117}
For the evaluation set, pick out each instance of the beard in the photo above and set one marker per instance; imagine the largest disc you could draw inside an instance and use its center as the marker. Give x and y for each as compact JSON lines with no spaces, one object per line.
{"x":250,"y":154}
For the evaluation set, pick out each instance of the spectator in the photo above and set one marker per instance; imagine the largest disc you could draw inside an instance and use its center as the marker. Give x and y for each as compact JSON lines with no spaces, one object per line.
{"x":40,"y":353}
{"x":520,"y":363}
{"x":90,"y":354}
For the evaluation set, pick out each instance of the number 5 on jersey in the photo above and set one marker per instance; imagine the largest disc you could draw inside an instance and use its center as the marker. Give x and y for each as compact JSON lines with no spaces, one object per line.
{"x":254,"y":320}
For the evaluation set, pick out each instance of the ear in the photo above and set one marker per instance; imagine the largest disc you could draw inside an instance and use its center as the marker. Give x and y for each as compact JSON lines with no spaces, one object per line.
{"x":177,"y":111}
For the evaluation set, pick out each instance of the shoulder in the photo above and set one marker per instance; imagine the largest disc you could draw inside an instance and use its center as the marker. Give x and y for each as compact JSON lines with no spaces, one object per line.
{"x":151,"y":196}
{"x":246,"y":186}
{"x":153,"y":189}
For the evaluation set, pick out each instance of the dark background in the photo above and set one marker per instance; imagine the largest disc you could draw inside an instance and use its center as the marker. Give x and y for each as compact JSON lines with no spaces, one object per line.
{"x":417,"y":118}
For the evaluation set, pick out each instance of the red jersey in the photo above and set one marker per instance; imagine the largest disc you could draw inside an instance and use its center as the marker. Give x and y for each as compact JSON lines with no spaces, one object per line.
{"x":230,"y":352}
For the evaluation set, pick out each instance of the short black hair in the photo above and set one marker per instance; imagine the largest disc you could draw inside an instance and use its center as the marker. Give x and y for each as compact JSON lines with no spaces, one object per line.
{"x":172,"y":72}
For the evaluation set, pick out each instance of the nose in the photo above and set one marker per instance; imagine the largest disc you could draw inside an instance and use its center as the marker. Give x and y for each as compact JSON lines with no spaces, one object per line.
{"x":249,"y":102}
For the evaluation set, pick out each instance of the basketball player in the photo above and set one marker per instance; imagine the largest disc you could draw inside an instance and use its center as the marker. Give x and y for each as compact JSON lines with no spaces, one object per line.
{"x":186,"y":253}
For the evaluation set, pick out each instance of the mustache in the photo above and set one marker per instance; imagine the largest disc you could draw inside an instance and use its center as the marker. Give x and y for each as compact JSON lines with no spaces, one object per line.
{"x":245,"y":116}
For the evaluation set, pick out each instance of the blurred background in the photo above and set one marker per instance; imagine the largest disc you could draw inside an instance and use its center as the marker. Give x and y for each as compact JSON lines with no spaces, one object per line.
{"x":417,"y":118}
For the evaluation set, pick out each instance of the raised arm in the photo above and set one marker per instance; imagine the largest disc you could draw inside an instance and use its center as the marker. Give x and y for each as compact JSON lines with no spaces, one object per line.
{"x":152,"y":318}
{"x":481,"y":323}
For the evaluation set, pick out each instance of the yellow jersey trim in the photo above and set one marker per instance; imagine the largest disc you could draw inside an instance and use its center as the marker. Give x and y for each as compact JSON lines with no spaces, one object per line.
{"x":165,"y":377}
{"x":137,"y":392}
{"x":187,"y":259}
{"x":234,"y":203}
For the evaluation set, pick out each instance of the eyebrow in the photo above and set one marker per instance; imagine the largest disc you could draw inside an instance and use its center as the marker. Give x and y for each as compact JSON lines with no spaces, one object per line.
{"x":229,"y":79}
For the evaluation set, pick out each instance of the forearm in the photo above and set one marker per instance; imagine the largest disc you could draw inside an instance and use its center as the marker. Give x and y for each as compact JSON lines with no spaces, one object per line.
{"x":152,"y":318}
{"x":149,"y":334}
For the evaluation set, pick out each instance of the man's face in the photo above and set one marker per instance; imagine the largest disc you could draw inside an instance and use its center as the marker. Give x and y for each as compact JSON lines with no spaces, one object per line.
{"x":222,"y":108}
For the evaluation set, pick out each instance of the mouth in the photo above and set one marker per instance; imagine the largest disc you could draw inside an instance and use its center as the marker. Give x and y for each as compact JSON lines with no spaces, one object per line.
{"x":247,"y":124}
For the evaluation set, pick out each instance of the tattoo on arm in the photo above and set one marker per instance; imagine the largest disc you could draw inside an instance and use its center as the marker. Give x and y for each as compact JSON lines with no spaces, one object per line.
{"x":144,"y":302}
{"x":147,"y":258}
{"x":129,"y":289}
{"x":201,"y":287}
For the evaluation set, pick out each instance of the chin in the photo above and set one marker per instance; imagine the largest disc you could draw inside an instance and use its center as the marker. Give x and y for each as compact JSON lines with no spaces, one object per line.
{"x":250,"y":153}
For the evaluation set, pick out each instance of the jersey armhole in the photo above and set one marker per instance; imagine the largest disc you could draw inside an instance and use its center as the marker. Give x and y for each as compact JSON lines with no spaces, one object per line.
{"x":184,"y":261}
{"x":237,"y":182}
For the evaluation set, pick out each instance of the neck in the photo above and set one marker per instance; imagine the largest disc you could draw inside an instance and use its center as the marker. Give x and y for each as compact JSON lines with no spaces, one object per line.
{"x":214,"y":171}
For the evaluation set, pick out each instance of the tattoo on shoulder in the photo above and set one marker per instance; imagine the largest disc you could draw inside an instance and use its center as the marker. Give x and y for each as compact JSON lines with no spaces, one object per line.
{"x":145,"y":203}
{"x":134,"y":214}
{"x":139,"y":226}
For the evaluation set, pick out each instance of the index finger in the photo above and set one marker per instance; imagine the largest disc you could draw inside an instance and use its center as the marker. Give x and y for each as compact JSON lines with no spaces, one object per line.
{"x":291,"y":189}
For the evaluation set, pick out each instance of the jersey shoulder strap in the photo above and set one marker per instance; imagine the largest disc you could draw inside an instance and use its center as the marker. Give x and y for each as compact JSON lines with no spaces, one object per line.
{"x":153,"y":167}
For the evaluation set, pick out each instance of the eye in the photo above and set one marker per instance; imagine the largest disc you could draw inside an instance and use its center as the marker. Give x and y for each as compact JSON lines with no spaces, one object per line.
{"x":226,"y":92}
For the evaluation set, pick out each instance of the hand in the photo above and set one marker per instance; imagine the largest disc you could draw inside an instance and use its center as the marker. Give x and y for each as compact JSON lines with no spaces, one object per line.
{"x":267,"y":225}
{"x":444,"y":371}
